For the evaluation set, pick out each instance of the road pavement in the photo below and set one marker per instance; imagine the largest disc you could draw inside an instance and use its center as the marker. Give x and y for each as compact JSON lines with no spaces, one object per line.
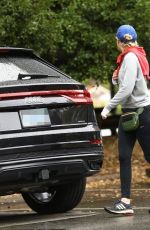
{"x":89,"y":215}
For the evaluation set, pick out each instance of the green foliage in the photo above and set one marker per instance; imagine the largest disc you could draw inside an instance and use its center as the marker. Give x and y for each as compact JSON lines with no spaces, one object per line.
{"x":28,"y":23}
{"x":78,"y":36}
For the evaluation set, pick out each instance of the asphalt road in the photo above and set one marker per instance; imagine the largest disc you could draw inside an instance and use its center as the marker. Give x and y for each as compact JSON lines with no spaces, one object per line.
{"x":89,"y":215}
{"x":78,"y":219}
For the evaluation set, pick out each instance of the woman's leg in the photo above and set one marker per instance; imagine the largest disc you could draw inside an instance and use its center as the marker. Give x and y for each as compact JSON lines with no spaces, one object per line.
{"x":143,"y":133}
{"x":126,"y":143}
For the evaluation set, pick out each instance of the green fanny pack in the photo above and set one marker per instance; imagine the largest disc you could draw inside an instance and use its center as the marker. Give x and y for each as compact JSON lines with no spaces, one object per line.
{"x":130,"y":120}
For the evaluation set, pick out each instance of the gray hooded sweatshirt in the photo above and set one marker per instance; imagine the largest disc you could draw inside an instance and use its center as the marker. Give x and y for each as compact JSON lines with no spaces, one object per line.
{"x":133,"y":91}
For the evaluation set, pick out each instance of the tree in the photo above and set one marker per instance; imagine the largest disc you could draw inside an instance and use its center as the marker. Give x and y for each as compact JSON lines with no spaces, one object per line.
{"x":88,"y":47}
{"x":26,"y":23}
{"x":78,"y":36}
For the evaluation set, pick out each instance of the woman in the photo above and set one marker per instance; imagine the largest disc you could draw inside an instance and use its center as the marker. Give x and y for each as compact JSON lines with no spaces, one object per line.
{"x":131,"y":76}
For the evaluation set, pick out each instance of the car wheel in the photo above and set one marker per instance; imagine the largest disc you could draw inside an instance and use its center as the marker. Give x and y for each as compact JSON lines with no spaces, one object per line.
{"x":57,"y":199}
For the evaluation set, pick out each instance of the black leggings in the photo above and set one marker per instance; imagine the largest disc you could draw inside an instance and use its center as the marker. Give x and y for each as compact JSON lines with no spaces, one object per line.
{"x":126,"y":143}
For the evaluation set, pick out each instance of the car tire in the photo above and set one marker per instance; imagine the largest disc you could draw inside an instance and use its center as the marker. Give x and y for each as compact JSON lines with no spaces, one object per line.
{"x":57,"y":199}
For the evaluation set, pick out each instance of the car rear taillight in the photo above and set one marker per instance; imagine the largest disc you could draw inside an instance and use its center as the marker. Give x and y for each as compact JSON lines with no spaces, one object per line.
{"x":77,"y":96}
{"x":3,"y":50}
{"x":96,"y":141}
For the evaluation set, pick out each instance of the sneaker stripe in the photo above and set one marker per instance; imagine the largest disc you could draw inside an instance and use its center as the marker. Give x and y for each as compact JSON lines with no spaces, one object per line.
{"x":120,"y":206}
{"x":123,"y":207}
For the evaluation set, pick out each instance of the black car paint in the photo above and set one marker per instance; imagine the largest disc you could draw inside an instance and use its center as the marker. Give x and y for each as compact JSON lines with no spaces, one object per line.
{"x":65,"y":148}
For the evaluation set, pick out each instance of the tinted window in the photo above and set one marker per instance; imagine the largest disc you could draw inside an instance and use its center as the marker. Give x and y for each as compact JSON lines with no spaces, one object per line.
{"x":11,"y":66}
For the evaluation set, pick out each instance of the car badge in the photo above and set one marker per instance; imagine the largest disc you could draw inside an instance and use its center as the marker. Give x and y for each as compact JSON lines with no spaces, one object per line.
{"x":34,"y":100}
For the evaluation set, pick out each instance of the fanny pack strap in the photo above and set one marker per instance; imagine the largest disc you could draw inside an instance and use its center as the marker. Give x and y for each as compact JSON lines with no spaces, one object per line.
{"x":140,"y":110}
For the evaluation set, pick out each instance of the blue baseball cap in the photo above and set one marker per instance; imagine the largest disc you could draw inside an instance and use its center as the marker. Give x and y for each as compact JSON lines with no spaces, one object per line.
{"x":126,"y":33}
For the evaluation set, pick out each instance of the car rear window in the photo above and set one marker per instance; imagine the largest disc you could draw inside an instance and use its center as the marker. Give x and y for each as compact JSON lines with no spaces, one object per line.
{"x":10,"y":67}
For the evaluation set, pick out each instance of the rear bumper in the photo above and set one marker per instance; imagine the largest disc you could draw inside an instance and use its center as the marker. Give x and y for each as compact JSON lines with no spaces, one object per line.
{"x":27,"y":174}
{"x":34,"y":159}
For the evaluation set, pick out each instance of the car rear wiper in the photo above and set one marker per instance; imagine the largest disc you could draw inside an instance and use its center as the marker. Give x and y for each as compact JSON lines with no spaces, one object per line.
{"x":27,"y":76}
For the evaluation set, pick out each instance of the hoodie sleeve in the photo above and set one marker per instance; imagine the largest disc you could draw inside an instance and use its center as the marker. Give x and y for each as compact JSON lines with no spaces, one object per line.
{"x":127,"y":78}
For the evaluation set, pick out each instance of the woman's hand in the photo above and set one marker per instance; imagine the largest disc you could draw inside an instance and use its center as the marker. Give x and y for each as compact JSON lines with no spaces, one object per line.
{"x":104,"y":113}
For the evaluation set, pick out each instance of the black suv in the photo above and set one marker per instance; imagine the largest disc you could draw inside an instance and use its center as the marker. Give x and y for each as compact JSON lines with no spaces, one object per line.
{"x":49,"y":137}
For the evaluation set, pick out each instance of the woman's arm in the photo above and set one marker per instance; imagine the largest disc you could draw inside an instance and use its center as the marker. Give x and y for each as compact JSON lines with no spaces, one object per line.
{"x":128,"y":77}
